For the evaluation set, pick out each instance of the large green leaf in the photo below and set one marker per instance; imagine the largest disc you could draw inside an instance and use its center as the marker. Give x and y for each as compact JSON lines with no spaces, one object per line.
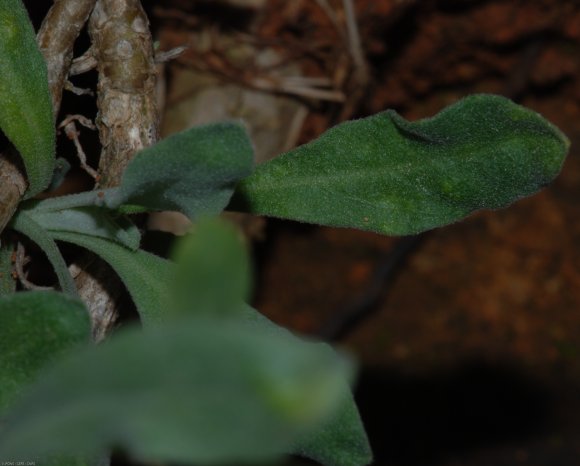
{"x":194,"y":172}
{"x":213,"y":270}
{"x":195,"y":390}
{"x":145,"y":275}
{"x":388,"y":175}
{"x":35,"y":329}
{"x":25,"y":103}
{"x":211,"y":276}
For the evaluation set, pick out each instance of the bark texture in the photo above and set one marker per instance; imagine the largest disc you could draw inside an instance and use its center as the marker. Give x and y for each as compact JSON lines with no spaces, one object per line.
{"x":56,"y":38}
{"x":12,"y":186}
{"x":128,"y":116}
{"x":127,"y":122}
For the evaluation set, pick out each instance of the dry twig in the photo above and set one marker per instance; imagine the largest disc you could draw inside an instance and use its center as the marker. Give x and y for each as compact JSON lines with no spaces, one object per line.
{"x":71,"y":131}
{"x":20,"y":261}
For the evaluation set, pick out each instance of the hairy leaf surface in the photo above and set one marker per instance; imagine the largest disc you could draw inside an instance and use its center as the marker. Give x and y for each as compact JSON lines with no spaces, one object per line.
{"x":388,"y":175}
{"x":92,"y":221}
{"x":192,"y":391}
{"x":35,"y":329}
{"x":25,"y":103}
{"x":193,"y":172}
{"x":213,"y":270}
{"x":341,"y":440}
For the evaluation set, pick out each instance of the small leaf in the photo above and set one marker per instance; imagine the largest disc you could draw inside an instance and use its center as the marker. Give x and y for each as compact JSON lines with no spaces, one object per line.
{"x":388,"y":175}
{"x":92,"y":221}
{"x":194,"y":172}
{"x":145,"y":275}
{"x":35,"y":329}
{"x":341,"y":440}
{"x":213,"y":270}
{"x":194,"y":391}
{"x":23,"y":223}
{"x":25,"y":103}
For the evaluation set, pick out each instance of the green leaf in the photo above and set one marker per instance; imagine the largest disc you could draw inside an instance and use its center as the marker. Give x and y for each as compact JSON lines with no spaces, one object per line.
{"x":193,"y":172}
{"x":23,"y":223}
{"x":213,"y":270}
{"x":145,"y":275}
{"x":92,"y":221}
{"x":388,"y":175}
{"x":25,"y":103}
{"x":341,"y":440}
{"x":36,"y":328}
{"x":193,"y":391}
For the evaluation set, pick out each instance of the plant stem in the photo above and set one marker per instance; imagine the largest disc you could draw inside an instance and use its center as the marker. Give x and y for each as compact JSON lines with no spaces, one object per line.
{"x":127,"y":122}
{"x":56,"y":38}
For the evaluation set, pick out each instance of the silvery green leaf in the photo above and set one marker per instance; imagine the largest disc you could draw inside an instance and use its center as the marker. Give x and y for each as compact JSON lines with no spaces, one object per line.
{"x":193,"y":172}
{"x":194,"y":390}
{"x":92,"y":221}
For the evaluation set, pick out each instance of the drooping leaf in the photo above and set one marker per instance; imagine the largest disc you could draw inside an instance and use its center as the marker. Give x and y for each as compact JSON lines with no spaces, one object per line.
{"x":145,"y":275}
{"x":341,"y":440}
{"x":194,"y":172}
{"x":194,"y":391}
{"x":36,"y":328}
{"x":23,"y":223}
{"x":388,"y":175}
{"x":212,"y":272}
{"x":25,"y":103}
{"x":92,"y":221}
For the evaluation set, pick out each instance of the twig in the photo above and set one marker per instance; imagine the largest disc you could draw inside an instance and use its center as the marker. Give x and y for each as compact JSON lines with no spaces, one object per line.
{"x":294,"y":86}
{"x":325,"y":6}
{"x":86,"y":62}
{"x":295,"y":128}
{"x":345,"y":320}
{"x":77,"y":90}
{"x":162,"y":57}
{"x":70,"y":129}
{"x":354,"y":42}
{"x":20,"y":261}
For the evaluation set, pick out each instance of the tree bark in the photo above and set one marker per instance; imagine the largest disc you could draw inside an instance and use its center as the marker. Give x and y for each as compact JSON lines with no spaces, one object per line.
{"x":127,"y":122}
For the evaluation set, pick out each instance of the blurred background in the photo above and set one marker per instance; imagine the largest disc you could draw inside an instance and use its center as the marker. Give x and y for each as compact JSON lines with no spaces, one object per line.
{"x":468,"y":337}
